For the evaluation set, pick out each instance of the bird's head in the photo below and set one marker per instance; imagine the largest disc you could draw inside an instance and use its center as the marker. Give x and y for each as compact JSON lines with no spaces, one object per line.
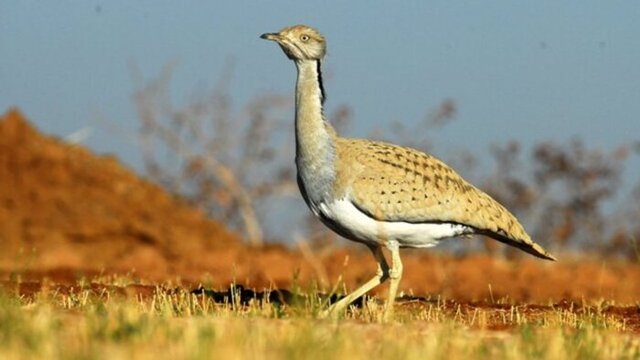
{"x":299,"y":42}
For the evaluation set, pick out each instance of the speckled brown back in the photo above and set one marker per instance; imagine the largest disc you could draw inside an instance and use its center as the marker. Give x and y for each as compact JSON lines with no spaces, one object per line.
{"x":394,"y":183}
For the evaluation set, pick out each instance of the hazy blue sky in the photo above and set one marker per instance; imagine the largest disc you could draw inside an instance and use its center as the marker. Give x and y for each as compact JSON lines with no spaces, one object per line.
{"x":516,"y":70}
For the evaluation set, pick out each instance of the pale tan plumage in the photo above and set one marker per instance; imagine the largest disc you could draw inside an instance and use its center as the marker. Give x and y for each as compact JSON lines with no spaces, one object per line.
{"x":381,"y":194}
{"x":395,"y":183}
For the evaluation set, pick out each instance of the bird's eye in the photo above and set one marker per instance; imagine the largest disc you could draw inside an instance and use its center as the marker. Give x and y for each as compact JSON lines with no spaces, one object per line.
{"x":304,"y":38}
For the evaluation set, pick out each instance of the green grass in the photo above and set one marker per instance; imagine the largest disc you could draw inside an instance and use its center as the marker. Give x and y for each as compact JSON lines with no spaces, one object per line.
{"x":176,"y":324}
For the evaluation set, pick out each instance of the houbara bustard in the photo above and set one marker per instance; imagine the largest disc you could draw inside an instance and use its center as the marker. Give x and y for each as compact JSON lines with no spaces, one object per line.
{"x":380,"y":194}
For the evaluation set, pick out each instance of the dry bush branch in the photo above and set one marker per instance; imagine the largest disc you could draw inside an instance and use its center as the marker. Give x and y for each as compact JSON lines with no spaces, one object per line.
{"x":210,"y":158}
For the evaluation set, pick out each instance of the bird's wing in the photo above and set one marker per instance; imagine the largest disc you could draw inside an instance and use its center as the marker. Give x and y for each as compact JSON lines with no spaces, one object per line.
{"x":393,"y":183}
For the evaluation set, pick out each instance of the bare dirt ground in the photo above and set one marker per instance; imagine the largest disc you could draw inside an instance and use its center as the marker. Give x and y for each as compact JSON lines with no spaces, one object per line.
{"x":68,"y":214}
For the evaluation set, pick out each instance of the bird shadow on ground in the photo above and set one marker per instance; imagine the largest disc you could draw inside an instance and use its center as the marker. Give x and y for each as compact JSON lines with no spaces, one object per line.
{"x":243,"y":296}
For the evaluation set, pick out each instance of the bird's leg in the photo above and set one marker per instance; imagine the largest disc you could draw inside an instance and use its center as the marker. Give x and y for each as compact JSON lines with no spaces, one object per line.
{"x":381,"y":276}
{"x":395,"y":274}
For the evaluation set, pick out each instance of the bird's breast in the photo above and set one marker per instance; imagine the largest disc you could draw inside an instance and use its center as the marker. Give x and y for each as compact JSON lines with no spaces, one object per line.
{"x":316,"y":180}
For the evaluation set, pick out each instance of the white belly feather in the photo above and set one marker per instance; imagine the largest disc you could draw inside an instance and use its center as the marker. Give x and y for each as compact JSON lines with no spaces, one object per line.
{"x":367,"y":229}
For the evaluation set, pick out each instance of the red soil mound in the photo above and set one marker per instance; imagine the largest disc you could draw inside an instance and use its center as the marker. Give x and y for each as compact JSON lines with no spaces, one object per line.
{"x":65,"y":211}
{"x":63,"y":206}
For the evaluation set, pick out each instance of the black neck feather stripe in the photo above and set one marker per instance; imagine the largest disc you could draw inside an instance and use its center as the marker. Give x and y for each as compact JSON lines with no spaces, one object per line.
{"x":322,"y":93}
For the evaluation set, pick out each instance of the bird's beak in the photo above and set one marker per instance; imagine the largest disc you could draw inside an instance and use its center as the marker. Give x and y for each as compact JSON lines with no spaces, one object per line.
{"x":270,"y":36}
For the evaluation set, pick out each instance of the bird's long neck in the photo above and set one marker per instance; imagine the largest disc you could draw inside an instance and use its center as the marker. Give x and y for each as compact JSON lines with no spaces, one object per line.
{"x":315,"y":138}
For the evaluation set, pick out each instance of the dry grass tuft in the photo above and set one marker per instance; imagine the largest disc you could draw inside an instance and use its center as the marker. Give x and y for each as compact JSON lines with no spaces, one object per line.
{"x":106,"y":322}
